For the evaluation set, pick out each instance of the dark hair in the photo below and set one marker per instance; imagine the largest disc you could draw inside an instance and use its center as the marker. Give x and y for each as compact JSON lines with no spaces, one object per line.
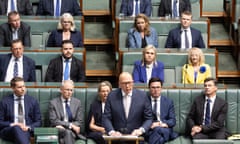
{"x":211,"y":79}
{"x":11,"y":13}
{"x":186,"y":13}
{"x":155,"y":79}
{"x":67,"y":41}
{"x":16,"y":41}
{"x":14,"y":80}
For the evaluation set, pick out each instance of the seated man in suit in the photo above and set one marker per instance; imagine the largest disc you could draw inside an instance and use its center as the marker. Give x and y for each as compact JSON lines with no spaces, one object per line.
{"x":24,"y":7}
{"x":66,"y":66}
{"x":163,"y":115}
{"x":19,"y":114}
{"x":134,"y":7}
{"x":207,"y":116}
{"x":58,"y":7}
{"x":16,"y":64}
{"x":185,"y":36}
{"x":14,"y":29}
{"x":127,"y":110}
{"x":66,"y":114}
{"x":173,"y":8}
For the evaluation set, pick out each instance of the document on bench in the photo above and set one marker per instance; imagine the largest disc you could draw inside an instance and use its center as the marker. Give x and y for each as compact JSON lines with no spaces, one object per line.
{"x":121,"y":137}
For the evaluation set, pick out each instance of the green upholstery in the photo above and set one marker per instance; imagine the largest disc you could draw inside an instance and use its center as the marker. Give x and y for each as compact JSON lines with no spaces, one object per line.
{"x":173,"y":61}
{"x":95,"y":5}
{"x":163,"y":27}
{"x":212,"y":6}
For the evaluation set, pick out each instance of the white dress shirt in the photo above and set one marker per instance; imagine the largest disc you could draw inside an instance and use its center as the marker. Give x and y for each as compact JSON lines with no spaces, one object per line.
{"x":189,"y":35}
{"x":10,"y":68}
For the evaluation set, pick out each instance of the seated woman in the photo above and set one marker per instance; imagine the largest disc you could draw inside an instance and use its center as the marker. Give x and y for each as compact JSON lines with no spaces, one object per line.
{"x":196,"y":71}
{"x":95,"y":129}
{"x":148,"y":67}
{"x":65,"y":31}
{"x":142,"y":34}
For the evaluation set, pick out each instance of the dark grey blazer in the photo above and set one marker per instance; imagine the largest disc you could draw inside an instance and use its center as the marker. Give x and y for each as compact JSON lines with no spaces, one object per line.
{"x":24,"y":7}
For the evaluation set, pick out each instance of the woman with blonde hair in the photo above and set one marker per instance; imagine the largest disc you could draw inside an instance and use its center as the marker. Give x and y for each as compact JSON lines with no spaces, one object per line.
{"x":196,"y":71}
{"x":142,"y":34}
{"x":148,"y":67}
{"x":65,"y":31}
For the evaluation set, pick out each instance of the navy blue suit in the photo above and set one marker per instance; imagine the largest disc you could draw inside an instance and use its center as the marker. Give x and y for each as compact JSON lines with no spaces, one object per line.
{"x":140,"y":74}
{"x":160,"y":135}
{"x":134,"y":39}
{"x":140,"y":112}
{"x":46,"y":7}
{"x":127,"y":7}
{"x":174,"y":38}
{"x":55,"y":39}
{"x":32,"y":118}
{"x":29,"y":74}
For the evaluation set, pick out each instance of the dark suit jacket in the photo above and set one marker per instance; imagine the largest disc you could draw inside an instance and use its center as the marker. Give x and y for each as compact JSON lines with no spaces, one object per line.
{"x":140,"y":113}
{"x":127,"y":7}
{"x":55,"y":70}
{"x":46,"y":7}
{"x":165,"y":7}
{"x":134,"y":39}
{"x":55,"y":39}
{"x":24,"y":33}
{"x":140,"y":74}
{"x":218,"y":117}
{"x":24,"y":7}
{"x":174,"y":38}
{"x":32,"y":112}
{"x":29,"y":74}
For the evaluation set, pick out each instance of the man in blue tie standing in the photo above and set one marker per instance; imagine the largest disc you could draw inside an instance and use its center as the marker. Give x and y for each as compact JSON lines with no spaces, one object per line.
{"x":66,"y":66}
{"x":66,"y":114}
{"x":208,"y":114}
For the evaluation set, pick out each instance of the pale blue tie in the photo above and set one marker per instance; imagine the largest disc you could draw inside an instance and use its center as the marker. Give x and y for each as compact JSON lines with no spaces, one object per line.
{"x":12,"y":5}
{"x":175,"y":8}
{"x":136,"y":8}
{"x":57,"y":10}
{"x":66,"y":71}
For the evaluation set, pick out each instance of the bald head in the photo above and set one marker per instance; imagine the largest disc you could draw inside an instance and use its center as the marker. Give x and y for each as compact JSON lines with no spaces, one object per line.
{"x":126,"y":82}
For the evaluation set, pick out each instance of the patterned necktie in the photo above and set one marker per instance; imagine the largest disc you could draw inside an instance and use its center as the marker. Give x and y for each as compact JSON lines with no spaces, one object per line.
{"x":68,"y":111}
{"x":12,"y":5}
{"x":155,"y":109}
{"x":207,"y":113}
{"x":66,"y":71}
{"x":20,"y":110}
{"x":175,"y":8}
{"x":186,"y":39}
{"x":57,"y":9}
{"x":136,"y":8}
{"x":15,"y":68}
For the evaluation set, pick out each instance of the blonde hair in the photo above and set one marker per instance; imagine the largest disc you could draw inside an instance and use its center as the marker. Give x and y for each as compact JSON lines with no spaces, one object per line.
{"x":69,"y":17}
{"x":149,"y":47}
{"x":200,"y":54}
{"x":104,"y":83}
{"x":147,"y":28}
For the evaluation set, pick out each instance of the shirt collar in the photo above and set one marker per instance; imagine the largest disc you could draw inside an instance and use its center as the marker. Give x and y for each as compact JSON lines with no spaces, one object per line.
{"x":188,"y":29}
{"x":212,"y":98}
{"x":123,"y":93}
{"x":63,"y":99}
{"x":63,"y":59}
{"x":149,"y":65}
{"x":19,"y":59}
{"x":158,"y":99}
{"x":17,"y":97}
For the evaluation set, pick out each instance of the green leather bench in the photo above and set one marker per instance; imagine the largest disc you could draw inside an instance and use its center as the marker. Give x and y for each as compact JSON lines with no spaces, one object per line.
{"x":42,"y":59}
{"x":162,"y":26}
{"x":173,"y":61}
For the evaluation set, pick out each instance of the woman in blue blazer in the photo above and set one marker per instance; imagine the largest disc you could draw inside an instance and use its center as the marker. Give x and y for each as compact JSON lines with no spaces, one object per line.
{"x":142,"y":34}
{"x":65,"y":31}
{"x":148,"y":67}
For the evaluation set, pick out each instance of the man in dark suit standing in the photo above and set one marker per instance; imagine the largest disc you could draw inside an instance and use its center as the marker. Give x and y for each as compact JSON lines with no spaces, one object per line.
{"x":163,"y":115}
{"x":16,"y":64}
{"x":66,"y":66}
{"x":14,"y":29}
{"x":66,"y":114}
{"x":58,"y":7}
{"x":19,"y":114}
{"x":185,"y":36}
{"x":173,"y":8}
{"x":23,"y":7}
{"x":208,"y":114}
{"x":127,"y":110}
{"x":128,"y":7}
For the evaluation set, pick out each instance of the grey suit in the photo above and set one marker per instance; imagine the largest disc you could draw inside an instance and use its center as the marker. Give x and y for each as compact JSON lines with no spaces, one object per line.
{"x":56,"y":117}
{"x":24,"y":7}
{"x":24,"y":34}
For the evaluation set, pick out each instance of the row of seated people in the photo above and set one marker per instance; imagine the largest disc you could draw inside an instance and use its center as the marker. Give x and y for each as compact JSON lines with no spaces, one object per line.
{"x":128,"y":7}
{"x":123,"y":111}
{"x":139,"y":36}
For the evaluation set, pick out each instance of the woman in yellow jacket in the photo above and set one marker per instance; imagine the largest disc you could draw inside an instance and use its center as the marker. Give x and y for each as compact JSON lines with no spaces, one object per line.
{"x":196,"y":71}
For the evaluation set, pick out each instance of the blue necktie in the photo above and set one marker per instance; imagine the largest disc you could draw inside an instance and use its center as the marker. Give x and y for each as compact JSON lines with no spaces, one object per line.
{"x":175,"y":8}
{"x":66,"y":71}
{"x":68,"y":111}
{"x":155,"y":109}
{"x":186,"y":39}
{"x":136,"y":8}
{"x":57,"y":10}
{"x":12,"y":5}
{"x":207,"y":113}
{"x":15,"y":68}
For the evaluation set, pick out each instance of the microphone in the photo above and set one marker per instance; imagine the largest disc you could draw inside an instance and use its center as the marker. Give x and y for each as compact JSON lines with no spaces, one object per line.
{"x":184,"y":76}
